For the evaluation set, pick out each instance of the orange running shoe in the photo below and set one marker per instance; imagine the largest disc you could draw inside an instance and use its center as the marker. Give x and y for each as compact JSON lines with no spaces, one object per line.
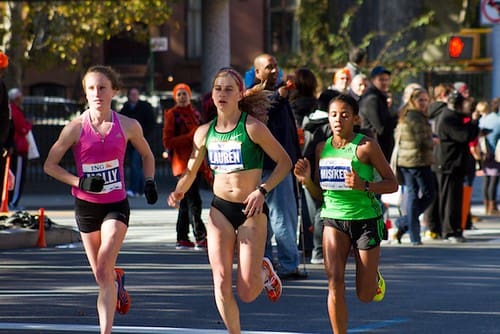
{"x":272,"y":284}
{"x":123,"y":301}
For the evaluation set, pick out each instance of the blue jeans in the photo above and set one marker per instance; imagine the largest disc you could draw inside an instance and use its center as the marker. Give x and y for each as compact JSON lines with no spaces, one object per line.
{"x":420,"y":192}
{"x":136,"y":179}
{"x":283,"y":222}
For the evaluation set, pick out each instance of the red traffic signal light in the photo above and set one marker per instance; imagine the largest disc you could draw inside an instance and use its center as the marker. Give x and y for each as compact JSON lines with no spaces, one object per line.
{"x":461,"y":47}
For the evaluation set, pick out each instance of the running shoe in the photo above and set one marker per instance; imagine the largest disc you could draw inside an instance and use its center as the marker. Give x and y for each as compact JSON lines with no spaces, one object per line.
{"x":380,"y":289}
{"x":123,"y":302}
{"x":272,"y":284}
{"x":184,"y":244}
{"x":201,"y":245}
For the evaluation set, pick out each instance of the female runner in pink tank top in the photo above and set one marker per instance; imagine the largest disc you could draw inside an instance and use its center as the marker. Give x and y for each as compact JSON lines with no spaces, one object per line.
{"x":98,"y":139}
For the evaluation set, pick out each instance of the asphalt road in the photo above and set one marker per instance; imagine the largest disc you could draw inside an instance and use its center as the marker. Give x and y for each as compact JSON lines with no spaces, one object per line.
{"x":435,"y":288}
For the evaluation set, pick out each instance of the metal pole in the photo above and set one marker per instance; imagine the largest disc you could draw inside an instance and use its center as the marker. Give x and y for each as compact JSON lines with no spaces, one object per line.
{"x":151,"y":71}
{"x":495,"y":75}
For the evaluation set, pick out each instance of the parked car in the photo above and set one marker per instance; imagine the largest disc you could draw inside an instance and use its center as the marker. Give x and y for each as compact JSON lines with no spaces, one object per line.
{"x":50,"y":110}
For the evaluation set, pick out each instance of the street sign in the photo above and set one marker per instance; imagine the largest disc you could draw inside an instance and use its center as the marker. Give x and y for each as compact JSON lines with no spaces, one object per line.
{"x":490,"y":12}
{"x":158,"y":44}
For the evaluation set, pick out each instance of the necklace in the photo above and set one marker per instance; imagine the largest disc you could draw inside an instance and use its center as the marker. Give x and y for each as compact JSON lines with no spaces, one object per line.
{"x":342,"y":143}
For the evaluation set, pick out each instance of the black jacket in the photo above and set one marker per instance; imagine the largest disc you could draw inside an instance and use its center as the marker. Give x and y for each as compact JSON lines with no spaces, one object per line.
{"x":282,"y":125}
{"x":376,"y":116}
{"x":144,"y":114}
{"x":452,"y":152}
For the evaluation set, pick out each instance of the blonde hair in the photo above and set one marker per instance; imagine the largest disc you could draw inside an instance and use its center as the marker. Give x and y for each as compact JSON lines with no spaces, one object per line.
{"x":411,"y":104}
{"x":483,"y":107}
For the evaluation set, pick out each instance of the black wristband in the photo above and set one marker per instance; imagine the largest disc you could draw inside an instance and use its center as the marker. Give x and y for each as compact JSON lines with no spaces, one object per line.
{"x":367,"y":186}
{"x":262,"y":190}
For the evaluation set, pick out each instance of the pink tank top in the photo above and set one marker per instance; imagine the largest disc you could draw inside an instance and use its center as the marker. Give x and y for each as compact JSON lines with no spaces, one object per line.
{"x":102,"y":155}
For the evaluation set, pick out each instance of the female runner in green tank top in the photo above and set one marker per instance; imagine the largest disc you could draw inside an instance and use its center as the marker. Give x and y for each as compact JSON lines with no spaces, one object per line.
{"x":346,"y":185}
{"x":234,"y":143}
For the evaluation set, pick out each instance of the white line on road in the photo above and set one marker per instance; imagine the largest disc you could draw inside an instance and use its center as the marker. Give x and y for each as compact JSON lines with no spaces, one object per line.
{"x":121,"y":329}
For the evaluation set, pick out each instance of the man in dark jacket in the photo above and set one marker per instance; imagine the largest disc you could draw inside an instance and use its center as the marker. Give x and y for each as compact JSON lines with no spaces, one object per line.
{"x":374,"y":110}
{"x":281,"y":200}
{"x":451,"y":156}
{"x":143,"y":112}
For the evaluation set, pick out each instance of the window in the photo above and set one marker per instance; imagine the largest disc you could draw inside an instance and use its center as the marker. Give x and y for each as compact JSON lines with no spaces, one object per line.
{"x":283,"y":27}
{"x":193,"y":29}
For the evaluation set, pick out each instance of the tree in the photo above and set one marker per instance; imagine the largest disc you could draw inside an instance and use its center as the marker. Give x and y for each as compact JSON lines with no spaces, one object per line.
{"x":48,"y":33}
{"x":326,"y":46}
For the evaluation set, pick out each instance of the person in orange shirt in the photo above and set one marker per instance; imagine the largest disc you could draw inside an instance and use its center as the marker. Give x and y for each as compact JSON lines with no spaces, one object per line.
{"x":180,"y":123}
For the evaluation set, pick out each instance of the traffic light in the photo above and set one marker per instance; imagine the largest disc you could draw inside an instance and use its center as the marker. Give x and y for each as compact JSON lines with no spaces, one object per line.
{"x":461,"y":47}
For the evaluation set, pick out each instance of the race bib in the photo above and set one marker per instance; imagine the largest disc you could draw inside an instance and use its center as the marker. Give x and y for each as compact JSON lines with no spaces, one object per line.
{"x":225,"y":157}
{"x":110,"y":172}
{"x":332,"y":173}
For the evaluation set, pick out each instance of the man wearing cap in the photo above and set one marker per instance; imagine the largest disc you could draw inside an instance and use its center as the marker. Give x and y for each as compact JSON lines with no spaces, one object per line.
{"x":143,"y":112}
{"x":374,"y":110}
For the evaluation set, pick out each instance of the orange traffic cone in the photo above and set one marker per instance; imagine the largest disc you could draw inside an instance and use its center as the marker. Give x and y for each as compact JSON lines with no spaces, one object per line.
{"x":41,"y":229}
{"x":467,"y":196}
{"x":4,"y":208}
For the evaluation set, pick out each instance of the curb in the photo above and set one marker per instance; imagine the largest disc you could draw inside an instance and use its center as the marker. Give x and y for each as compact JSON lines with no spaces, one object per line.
{"x":15,"y":238}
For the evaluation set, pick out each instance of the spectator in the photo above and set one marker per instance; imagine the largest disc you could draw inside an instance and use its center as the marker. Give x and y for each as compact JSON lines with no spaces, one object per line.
{"x":316,"y":130}
{"x":303,"y":102}
{"x":374,"y":110}
{"x":414,"y":160}
{"x":143,"y":112}
{"x":357,"y":59}
{"x":431,"y":215}
{"x":180,"y":124}
{"x":489,"y":124}
{"x":237,"y":218}
{"x":462,"y":88}
{"x":358,"y":86}
{"x":4,"y":102}
{"x":19,"y":157}
{"x":451,"y":157}
{"x":341,"y":80}
{"x":6,"y":123}
{"x":346,"y":183}
{"x":303,"y":99}
{"x":282,"y":201}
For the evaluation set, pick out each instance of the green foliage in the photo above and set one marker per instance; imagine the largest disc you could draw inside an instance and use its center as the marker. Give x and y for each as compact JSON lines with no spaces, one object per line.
{"x":58,"y":31}
{"x":324,"y":49}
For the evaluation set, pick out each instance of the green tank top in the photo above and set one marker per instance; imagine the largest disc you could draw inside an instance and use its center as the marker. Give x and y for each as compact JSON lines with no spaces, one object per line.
{"x":233,"y":151}
{"x":339,"y":201}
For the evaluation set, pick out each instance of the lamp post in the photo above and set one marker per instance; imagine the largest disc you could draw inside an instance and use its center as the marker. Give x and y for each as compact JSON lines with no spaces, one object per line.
{"x":156,"y":44}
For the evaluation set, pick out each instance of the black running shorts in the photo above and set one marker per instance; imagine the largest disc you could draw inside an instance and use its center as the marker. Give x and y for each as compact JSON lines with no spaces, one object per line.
{"x":365,"y":234}
{"x":90,"y":216}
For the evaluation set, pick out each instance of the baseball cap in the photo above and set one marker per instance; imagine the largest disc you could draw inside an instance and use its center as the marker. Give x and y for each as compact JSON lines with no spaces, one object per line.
{"x":377,"y":70}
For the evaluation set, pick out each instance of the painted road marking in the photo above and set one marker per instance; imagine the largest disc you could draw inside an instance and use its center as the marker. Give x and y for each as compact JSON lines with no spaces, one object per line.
{"x":121,"y":329}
